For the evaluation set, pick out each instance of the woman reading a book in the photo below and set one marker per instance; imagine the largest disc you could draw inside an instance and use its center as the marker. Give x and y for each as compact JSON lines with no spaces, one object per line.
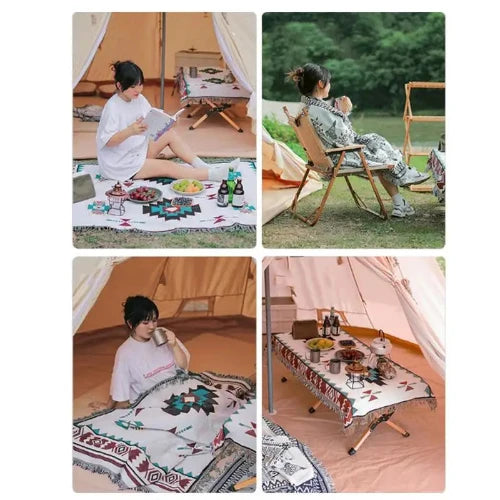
{"x":123,"y":149}
{"x":335,"y":130}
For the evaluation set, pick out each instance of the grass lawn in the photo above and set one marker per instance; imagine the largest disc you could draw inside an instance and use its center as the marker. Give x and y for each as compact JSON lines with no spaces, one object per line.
{"x":109,"y":238}
{"x":342,"y":224}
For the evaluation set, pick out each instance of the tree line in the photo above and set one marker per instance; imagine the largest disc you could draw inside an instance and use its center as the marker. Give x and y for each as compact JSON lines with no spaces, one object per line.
{"x":371,"y":55}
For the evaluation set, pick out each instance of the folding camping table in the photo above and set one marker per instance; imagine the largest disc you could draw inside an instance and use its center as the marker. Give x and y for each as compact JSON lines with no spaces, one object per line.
{"x":373,"y":403}
{"x":209,"y":88}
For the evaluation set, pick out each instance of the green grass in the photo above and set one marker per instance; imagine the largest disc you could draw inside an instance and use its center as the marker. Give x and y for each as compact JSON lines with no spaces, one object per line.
{"x":342,"y":224}
{"x":108,"y":238}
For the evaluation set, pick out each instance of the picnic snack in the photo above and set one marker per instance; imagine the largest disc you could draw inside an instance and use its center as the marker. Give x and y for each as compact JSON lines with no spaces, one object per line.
{"x":143,"y":193}
{"x":320,"y":344}
{"x":188,"y":186}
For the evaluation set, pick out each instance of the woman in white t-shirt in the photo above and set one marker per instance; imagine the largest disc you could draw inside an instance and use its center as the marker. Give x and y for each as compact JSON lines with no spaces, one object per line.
{"x":139,"y":362}
{"x":124,"y":152}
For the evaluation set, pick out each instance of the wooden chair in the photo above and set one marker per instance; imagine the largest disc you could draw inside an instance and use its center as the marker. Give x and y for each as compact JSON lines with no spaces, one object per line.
{"x":320,"y":161}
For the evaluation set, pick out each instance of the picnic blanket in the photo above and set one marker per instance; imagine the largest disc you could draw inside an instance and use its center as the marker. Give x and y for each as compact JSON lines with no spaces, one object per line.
{"x":163,"y":215}
{"x":436,"y":165}
{"x":288,"y":466}
{"x":191,"y":432}
{"x":209,"y":84}
{"x":357,"y":406}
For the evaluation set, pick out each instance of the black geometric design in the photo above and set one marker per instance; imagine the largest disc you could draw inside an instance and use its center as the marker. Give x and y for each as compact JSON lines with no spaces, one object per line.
{"x":374,"y":377}
{"x":218,"y":81}
{"x":210,"y":71}
{"x":168,"y":211}
{"x":197,"y":399}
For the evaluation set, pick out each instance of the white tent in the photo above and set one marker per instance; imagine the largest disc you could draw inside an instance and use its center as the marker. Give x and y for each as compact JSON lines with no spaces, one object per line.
{"x":102,"y":38}
{"x":282,"y":171}
{"x":180,"y":286}
{"x":403,"y":296}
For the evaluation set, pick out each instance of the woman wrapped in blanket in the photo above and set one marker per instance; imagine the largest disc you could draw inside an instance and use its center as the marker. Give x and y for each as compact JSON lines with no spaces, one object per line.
{"x":124,"y":152}
{"x":335,"y":130}
{"x":139,"y":362}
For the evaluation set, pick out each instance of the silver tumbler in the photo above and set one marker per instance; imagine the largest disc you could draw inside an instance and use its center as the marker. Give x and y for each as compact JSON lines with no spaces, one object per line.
{"x":334,"y":366}
{"x":193,"y":71}
{"x":160,"y":336}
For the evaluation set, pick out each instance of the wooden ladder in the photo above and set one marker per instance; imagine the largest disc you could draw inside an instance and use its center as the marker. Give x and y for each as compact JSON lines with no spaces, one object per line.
{"x":409,"y":117}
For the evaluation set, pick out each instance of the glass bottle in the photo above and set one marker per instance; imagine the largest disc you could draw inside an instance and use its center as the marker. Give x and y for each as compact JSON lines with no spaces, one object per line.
{"x":223,"y":194}
{"x":230,"y":184}
{"x":238,"y":195}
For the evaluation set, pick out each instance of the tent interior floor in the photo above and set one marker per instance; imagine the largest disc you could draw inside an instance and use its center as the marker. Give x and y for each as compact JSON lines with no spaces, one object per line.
{"x":213,"y":138}
{"x":386,"y":462}
{"x":224,"y":345}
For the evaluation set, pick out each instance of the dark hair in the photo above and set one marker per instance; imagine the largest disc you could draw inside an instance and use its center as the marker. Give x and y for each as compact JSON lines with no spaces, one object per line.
{"x":127,"y":74}
{"x":307,"y":77}
{"x":137,"y":309}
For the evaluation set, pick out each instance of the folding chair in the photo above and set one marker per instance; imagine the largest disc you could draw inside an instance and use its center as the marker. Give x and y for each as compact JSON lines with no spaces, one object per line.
{"x":320,"y":161}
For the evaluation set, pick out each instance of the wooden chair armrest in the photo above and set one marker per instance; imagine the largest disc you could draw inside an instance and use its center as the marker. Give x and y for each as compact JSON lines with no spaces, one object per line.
{"x":352,"y":147}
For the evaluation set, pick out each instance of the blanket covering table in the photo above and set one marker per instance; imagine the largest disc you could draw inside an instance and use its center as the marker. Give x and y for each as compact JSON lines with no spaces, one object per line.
{"x":163,"y":216}
{"x":355,"y":406}
{"x":192,"y":432}
{"x":210,"y":84}
{"x":288,"y":466}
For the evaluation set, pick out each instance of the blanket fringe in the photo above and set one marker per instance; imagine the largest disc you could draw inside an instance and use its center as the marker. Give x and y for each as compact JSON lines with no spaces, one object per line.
{"x":227,"y":229}
{"x":365,"y":420}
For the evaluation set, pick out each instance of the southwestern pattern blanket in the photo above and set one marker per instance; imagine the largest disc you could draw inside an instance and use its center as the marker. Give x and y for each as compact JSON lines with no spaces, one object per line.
{"x":356,"y":406}
{"x":191,"y":432}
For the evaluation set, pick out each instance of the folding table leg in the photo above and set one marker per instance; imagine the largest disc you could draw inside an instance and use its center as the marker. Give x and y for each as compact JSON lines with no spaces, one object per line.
{"x":195,"y":110}
{"x":383,"y":418}
{"x":315,"y":406}
{"x":202,"y":119}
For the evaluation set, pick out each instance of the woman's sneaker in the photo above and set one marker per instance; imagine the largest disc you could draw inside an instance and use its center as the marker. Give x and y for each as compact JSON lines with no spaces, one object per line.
{"x":402,"y":210}
{"x":412,"y":177}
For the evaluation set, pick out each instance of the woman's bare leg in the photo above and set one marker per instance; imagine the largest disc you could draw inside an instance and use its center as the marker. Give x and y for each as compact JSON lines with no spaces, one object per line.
{"x":176,"y":144}
{"x":388,"y":186}
{"x":166,"y":168}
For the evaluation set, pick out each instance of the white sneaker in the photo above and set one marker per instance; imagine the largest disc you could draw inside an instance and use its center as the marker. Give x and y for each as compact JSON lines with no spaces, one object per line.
{"x":412,"y":177}
{"x":402,"y":210}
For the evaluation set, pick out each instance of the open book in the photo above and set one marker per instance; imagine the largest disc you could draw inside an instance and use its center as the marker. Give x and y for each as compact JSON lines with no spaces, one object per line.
{"x":159,"y":122}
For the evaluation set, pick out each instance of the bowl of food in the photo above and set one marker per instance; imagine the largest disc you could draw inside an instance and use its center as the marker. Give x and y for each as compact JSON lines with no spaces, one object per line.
{"x":320,"y":343}
{"x":187,"y":187}
{"x":144,"y":194}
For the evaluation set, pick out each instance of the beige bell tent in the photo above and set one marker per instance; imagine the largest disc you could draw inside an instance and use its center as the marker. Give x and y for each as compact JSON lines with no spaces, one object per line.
{"x":152,"y":39}
{"x":209,"y":302}
{"x":180,"y":287}
{"x":404,"y":296}
{"x":282,"y":171}
{"x":101,"y":38}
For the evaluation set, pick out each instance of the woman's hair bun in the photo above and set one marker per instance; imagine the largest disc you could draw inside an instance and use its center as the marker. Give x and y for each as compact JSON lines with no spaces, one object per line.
{"x":296,"y":74}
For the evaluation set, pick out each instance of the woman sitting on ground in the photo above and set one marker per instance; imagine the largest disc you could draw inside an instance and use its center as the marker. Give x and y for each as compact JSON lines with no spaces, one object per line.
{"x":335,"y":130}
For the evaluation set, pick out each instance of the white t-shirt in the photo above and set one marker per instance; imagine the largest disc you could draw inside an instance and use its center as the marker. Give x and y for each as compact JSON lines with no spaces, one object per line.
{"x":138,"y":367}
{"x":123,"y":161}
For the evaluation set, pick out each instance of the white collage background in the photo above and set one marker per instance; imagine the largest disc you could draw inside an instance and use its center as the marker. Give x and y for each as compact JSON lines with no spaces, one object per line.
{"x":37,"y":248}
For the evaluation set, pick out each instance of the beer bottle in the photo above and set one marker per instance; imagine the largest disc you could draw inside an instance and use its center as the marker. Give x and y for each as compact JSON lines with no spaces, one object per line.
{"x":230,"y":184}
{"x":326,"y":327}
{"x":336,"y":327}
{"x":238,"y":195}
{"x":332,"y":318}
{"x":223,"y":194}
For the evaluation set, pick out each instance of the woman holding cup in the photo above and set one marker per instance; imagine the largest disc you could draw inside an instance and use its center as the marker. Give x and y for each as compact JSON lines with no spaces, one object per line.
{"x":148,"y":356}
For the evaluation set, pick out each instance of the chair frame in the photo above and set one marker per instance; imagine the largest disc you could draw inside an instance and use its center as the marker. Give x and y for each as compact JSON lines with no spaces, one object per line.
{"x":321,"y":162}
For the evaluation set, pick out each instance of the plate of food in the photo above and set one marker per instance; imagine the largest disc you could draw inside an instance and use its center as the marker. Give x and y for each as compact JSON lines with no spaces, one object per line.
{"x":144,"y":194}
{"x":320,"y":343}
{"x":187,"y":187}
{"x":349,"y":355}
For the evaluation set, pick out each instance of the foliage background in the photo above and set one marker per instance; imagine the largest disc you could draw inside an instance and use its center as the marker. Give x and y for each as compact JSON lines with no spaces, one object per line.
{"x":371,"y":55}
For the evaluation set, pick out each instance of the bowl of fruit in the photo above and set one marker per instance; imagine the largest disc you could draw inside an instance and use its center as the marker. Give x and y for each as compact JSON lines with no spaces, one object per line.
{"x":144,"y":194}
{"x":187,"y":187}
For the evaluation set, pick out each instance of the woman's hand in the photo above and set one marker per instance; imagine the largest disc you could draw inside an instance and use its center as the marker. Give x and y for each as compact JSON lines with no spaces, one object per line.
{"x":344,"y":104}
{"x":171,"y":338}
{"x":138,"y":127}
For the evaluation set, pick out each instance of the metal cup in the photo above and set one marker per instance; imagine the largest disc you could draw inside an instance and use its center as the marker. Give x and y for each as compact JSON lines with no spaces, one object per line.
{"x":193,"y":71}
{"x":315,"y":356}
{"x":160,"y":336}
{"x":334,"y":366}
